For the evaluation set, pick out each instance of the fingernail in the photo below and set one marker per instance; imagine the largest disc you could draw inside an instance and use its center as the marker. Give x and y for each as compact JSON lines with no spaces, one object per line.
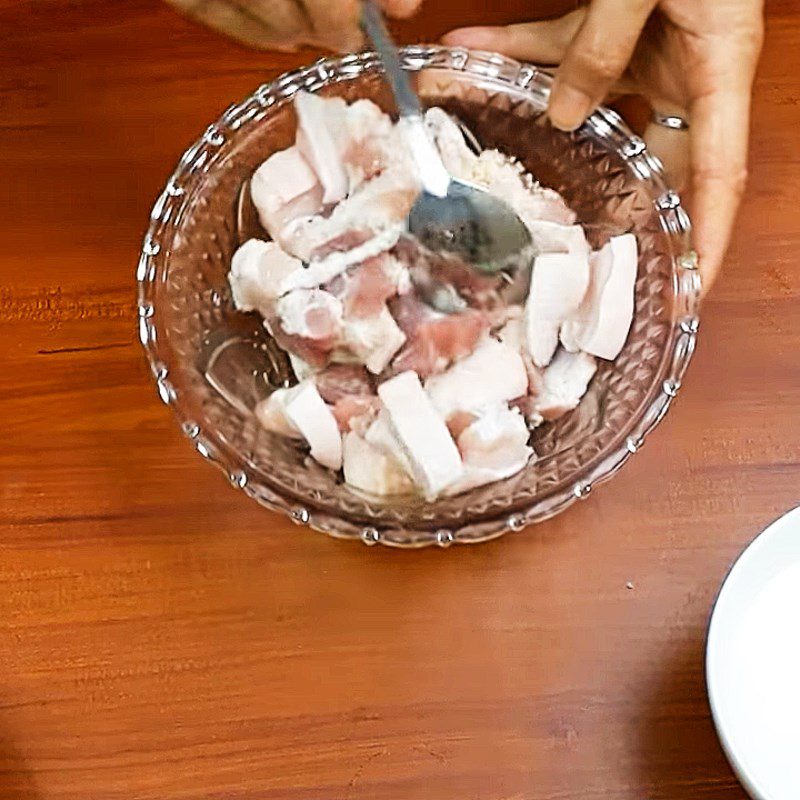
{"x":568,"y":107}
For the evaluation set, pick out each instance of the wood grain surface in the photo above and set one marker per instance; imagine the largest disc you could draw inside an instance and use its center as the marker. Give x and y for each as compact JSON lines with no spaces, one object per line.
{"x":163,"y":637}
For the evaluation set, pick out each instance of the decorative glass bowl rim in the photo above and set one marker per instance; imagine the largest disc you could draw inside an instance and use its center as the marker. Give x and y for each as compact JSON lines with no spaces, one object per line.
{"x":503,"y":72}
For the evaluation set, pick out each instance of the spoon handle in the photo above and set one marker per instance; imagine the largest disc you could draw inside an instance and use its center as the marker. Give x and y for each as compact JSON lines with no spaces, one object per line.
{"x":404,"y":95}
{"x":433,"y":174}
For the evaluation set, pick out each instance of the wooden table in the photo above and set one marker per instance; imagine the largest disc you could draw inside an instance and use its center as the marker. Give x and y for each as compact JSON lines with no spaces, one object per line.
{"x":162,"y":637}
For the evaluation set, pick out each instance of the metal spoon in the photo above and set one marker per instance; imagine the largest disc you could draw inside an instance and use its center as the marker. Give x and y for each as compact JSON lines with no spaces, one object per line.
{"x":450,"y":216}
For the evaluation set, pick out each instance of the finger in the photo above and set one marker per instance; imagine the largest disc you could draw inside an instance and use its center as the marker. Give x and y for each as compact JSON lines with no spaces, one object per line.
{"x":596,"y":58}
{"x":718,"y":161}
{"x":280,"y":29}
{"x":671,"y":147}
{"x":400,"y":8}
{"x":543,"y":42}
{"x":335,"y":24}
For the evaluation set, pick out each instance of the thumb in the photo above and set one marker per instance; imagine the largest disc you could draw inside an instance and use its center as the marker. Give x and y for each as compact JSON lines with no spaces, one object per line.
{"x":596,"y":58}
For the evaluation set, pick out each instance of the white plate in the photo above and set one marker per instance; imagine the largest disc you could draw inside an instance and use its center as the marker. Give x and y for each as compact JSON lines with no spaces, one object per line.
{"x":753,"y":663}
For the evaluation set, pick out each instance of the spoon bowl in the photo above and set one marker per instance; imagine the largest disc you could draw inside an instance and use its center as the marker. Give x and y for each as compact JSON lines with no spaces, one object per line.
{"x":472,"y":224}
{"x":450,"y":216}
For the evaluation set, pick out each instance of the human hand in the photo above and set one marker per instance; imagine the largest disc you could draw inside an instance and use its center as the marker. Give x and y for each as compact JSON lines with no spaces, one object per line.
{"x":289,"y":24}
{"x":694,"y":59}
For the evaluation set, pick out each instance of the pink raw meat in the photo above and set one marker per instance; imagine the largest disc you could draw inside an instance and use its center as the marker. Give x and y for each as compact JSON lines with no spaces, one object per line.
{"x":366,"y":159}
{"x":285,"y":175}
{"x":372,"y":144}
{"x":320,"y":324}
{"x":410,"y":312}
{"x":384,"y":200}
{"x":343,"y":380}
{"x":315,"y":352}
{"x":307,"y":323}
{"x":376,"y":206}
{"x":458,"y":422}
{"x":434,"y":341}
{"x":496,"y":441}
{"x":525,"y":405}
{"x":493,"y":447}
{"x":351,"y":406}
{"x":341,"y":243}
{"x":478,"y":289}
{"x":283,"y":189}
{"x":364,"y":289}
{"x":394,"y":190}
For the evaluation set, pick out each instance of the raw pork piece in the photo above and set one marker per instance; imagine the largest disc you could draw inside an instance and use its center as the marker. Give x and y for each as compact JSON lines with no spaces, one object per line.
{"x":362,"y":167}
{"x":343,"y":380}
{"x":307,"y":323}
{"x":372,"y":470}
{"x":302,"y":369}
{"x":365,"y":288}
{"x":349,"y":389}
{"x":369,"y":331}
{"x":373,"y":340}
{"x":513,"y":334}
{"x":361,"y":325}
{"x":384,"y":200}
{"x":373,"y":145}
{"x":310,"y":313}
{"x":309,"y":414}
{"x":493,"y":447}
{"x":563,"y":384}
{"x":379,"y":433}
{"x":258,"y":270}
{"x":301,"y":412}
{"x":321,"y":139}
{"x":314,"y":353}
{"x":434,"y":340}
{"x":271,"y":414}
{"x":397,"y":273}
{"x":558,"y":284}
{"x":600,"y":325}
{"x":459,"y":421}
{"x":355,"y":407}
{"x":493,"y":373}
{"x":285,"y":189}
{"x":456,"y":154}
{"x":357,"y":248}
{"x":380,"y":206}
{"x":434,"y":457}
{"x":512,"y":331}
{"x":345,"y":242}
{"x":347,"y":145}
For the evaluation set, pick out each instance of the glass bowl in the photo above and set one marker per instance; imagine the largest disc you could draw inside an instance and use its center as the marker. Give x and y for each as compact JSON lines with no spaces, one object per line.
{"x":209,"y":361}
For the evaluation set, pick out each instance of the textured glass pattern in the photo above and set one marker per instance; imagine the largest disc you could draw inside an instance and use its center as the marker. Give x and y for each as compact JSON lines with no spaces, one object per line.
{"x":190,"y":330}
